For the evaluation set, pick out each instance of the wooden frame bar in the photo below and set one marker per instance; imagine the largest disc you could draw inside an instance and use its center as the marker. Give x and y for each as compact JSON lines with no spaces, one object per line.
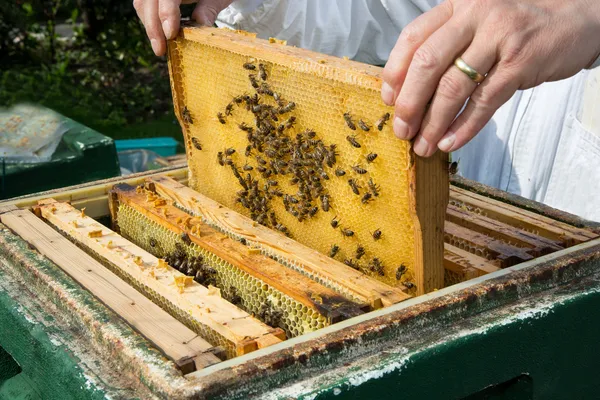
{"x":241,"y":331}
{"x":175,"y":340}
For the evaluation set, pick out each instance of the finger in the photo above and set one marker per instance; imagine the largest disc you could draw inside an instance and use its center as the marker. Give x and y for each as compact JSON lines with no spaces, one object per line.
{"x":138,"y":5}
{"x":153,"y":28}
{"x":497,"y":89}
{"x":206,"y":12}
{"x":453,"y":90}
{"x":169,"y":14}
{"x":428,"y":65}
{"x":411,"y":37}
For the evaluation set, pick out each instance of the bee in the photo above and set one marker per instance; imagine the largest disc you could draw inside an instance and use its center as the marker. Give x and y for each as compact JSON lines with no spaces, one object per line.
{"x":253,"y":81}
{"x":408,"y":284}
{"x":272,"y":183}
{"x":359,"y":170}
{"x":400,"y":271}
{"x":220,"y":158}
{"x":366,"y":198}
{"x":276,"y":192}
{"x":351,"y":263}
{"x":382,"y":121}
{"x":347,"y":232}
{"x":249,"y":66}
{"x":348,"y":119}
{"x":340,"y":172}
{"x":325,"y":203}
{"x":374,"y":188}
{"x":290,"y":122}
{"x":238,"y":99}
{"x":196,"y":143}
{"x":265,"y":89}
{"x":262,"y":72}
{"x":228,"y":161}
{"x":186,"y":238}
{"x":261,"y":169}
{"x":377,"y":266}
{"x":324,"y":175}
{"x":352,"y":140}
{"x":245,"y":127}
{"x":229,"y":108}
{"x":371,"y":157}
{"x":377,"y":234}
{"x":187,"y":117}
{"x":360,"y":251}
{"x":287,"y":108}
{"x":281,"y":228}
{"x":354,"y":185}
{"x":221,"y":118}
{"x":313,"y":211}
{"x":247,"y":167}
{"x":453,"y":167}
{"x":335,"y":222}
{"x":363,"y":125}
{"x":152,"y":242}
{"x":334,"y":250}
{"x":260,"y":160}
{"x":248,"y":151}
{"x":229,"y":151}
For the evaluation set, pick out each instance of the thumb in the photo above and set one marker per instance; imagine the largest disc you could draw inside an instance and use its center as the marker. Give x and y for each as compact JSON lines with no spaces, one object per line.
{"x":206,"y":11}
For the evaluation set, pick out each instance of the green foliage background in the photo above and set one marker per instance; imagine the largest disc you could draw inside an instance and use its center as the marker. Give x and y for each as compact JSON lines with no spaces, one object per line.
{"x":103,"y":75}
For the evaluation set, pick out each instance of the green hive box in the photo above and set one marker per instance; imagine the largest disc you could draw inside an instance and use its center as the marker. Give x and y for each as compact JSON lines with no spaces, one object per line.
{"x":83,"y":155}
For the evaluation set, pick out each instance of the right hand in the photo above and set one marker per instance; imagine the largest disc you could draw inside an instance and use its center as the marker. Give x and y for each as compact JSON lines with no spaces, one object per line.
{"x":161,"y":18}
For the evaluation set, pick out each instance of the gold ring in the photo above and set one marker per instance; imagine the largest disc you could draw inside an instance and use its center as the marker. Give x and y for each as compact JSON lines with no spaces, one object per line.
{"x":468,"y":70}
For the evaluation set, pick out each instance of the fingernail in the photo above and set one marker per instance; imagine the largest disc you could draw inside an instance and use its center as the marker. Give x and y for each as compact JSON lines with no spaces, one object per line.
{"x":421,"y":146}
{"x":387,"y":94}
{"x":400,"y":128}
{"x":447,"y":142}
{"x":155,"y":45}
{"x":168,"y":29}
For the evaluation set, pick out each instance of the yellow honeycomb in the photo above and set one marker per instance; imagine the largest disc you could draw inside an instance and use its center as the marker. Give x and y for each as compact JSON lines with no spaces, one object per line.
{"x":206,"y":77}
{"x":270,"y":305}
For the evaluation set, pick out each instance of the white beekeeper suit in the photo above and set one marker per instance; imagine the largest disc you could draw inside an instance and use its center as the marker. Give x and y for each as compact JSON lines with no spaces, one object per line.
{"x":543,"y":144}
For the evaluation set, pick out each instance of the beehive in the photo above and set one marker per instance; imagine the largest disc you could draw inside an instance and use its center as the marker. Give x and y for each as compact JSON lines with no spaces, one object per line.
{"x":278,"y":295}
{"x":335,"y":99}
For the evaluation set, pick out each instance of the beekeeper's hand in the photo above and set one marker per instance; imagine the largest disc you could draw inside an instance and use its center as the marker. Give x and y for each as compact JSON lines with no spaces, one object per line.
{"x":161,"y":18}
{"x":512,"y":44}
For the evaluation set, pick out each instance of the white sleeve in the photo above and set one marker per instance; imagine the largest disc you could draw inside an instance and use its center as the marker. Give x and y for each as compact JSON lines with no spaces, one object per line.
{"x":363,"y":30}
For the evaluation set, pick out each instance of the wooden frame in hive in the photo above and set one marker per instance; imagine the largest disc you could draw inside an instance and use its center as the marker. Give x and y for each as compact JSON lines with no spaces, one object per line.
{"x":208,"y":81}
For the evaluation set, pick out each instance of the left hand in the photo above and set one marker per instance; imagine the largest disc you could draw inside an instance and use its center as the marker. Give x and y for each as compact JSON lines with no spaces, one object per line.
{"x":517,"y":43}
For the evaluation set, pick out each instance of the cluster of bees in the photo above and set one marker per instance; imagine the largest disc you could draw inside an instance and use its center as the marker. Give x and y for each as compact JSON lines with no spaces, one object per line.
{"x":302,"y":158}
{"x":189,"y":265}
{"x":270,"y":315}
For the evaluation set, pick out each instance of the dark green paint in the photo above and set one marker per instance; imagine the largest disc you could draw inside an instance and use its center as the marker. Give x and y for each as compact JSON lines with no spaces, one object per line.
{"x":84,"y":155}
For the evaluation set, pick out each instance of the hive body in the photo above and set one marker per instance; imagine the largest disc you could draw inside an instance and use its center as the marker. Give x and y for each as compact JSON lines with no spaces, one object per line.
{"x":207,"y":72}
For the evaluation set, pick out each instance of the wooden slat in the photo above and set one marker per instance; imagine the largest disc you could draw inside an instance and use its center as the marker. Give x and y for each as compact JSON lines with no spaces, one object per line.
{"x":235,"y":325}
{"x":466,"y":264}
{"x":506,"y":254}
{"x":514,"y":216}
{"x":169,"y":335}
{"x":538,"y":245}
{"x":285,"y":280}
{"x":359,"y":285}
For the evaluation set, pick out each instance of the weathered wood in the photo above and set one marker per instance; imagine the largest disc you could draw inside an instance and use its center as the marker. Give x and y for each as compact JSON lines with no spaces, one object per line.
{"x":285,"y":280}
{"x":535,"y":223}
{"x":489,"y":247}
{"x":189,"y":298}
{"x":308,"y":261}
{"x":169,"y":335}
{"x":537,"y":245}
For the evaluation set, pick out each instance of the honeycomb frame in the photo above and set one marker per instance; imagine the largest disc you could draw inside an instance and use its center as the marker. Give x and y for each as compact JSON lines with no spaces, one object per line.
{"x":302,"y":305}
{"x":205,"y":66}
